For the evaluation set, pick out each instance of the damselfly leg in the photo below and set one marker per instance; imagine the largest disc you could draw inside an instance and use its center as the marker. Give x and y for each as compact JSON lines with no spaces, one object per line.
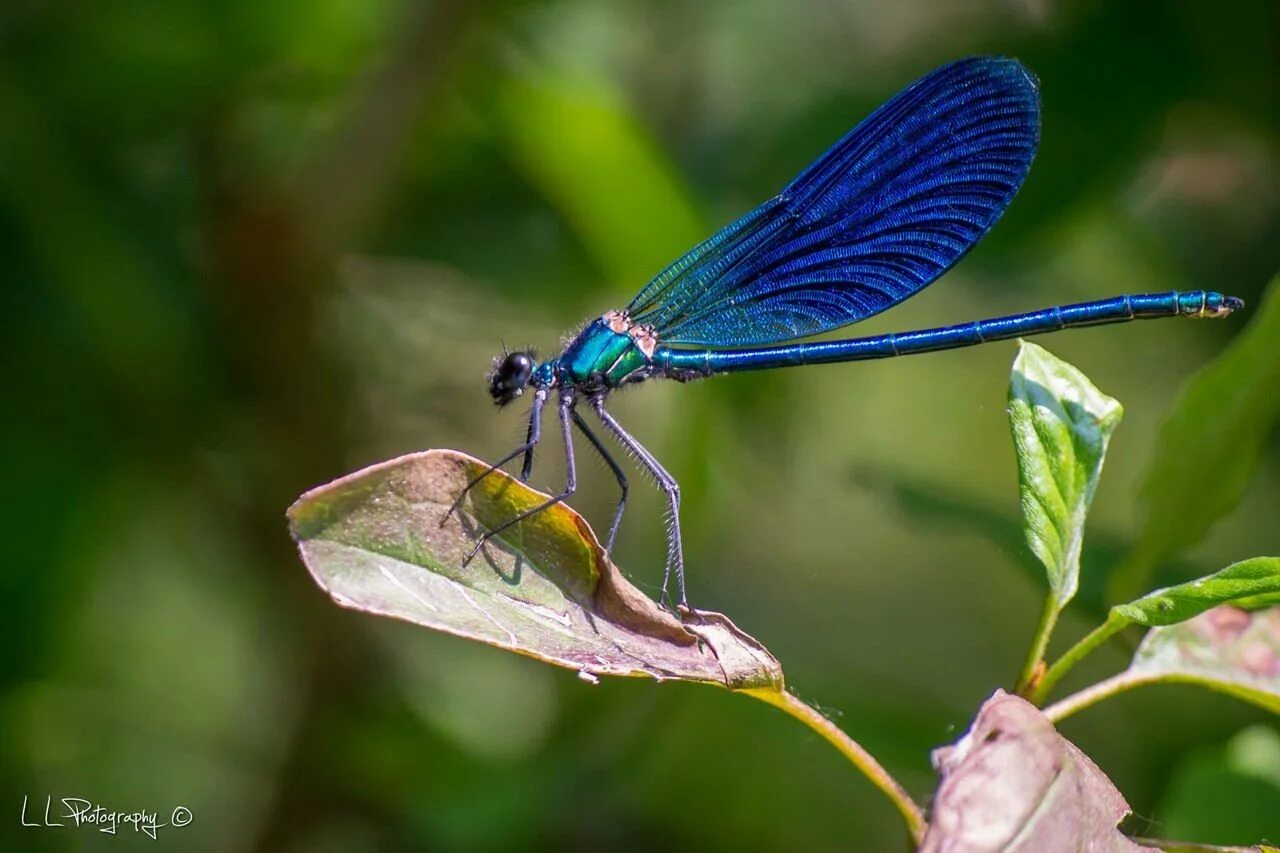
{"x":668,"y":484}
{"x":617,"y":473}
{"x":570,"y":485}
{"x":531,"y":441}
{"x":526,"y":468}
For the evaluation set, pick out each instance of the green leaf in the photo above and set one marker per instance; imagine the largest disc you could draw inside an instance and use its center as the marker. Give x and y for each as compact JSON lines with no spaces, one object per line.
{"x":1012,"y":783}
{"x":1258,"y":602}
{"x":1226,"y":649}
{"x":378,"y":541}
{"x":1209,"y":447}
{"x":1249,"y":585}
{"x":1255,"y":581}
{"x":1061,"y":426}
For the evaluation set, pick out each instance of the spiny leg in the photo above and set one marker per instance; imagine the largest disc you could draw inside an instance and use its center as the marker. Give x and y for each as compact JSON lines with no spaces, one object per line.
{"x":531,"y":440}
{"x":617,"y":473}
{"x":570,"y":485}
{"x":668,"y":484}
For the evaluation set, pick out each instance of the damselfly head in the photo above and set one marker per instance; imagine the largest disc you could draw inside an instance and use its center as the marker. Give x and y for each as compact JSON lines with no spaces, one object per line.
{"x":510,"y":376}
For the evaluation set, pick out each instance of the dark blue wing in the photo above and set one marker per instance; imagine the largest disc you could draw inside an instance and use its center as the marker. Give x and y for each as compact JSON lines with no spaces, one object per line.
{"x":892,"y":206}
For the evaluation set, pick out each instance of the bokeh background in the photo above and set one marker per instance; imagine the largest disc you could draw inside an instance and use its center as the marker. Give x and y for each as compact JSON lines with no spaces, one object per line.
{"x":250,"y":246}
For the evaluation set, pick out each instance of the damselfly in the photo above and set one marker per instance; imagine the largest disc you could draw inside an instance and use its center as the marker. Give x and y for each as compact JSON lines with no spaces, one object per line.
{"x":882,"y":214}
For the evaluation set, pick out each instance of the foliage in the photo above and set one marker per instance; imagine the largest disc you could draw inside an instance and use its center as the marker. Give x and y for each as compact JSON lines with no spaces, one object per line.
{"x":1061,"y":426}
{"x":385,"y":540}
{"x":1013,"y":783}
{"x":393,"y":540}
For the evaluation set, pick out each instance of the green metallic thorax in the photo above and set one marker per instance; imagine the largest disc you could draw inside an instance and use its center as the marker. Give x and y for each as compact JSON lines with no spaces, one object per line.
{"x":600,"y":358}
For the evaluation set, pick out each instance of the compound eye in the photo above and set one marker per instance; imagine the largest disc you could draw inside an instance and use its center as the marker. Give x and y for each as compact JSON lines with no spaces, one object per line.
{"x":517,"y":367}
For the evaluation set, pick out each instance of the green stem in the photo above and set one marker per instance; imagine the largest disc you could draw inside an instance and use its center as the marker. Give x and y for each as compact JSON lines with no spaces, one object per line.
{"x":1075,"y":654}
{"x":1128,"y":680}
{"x":1105,"y":689}
{"x":851,"y":750}
{"x":1035,"y":657}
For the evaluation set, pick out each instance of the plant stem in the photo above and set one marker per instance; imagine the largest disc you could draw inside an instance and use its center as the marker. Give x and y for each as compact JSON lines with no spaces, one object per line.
{"x":1096,"y":693}
{"x":851,"y":750}
{"x":1075,"y":654}
{"x":1035,"y":657}
{"x":1128,"y":680}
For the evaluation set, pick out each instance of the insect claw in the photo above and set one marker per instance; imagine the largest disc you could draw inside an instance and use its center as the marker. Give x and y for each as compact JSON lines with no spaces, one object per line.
{"x":689,"y":614}
{"x":667,"y":604}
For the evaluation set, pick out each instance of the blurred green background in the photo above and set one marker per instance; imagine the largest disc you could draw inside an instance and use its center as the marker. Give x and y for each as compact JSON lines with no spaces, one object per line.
{"x":250,"y":246}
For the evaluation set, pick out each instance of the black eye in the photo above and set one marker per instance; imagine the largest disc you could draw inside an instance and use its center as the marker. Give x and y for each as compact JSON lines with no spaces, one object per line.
{"x":516,"y":368}
{"x":508,"y":378}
